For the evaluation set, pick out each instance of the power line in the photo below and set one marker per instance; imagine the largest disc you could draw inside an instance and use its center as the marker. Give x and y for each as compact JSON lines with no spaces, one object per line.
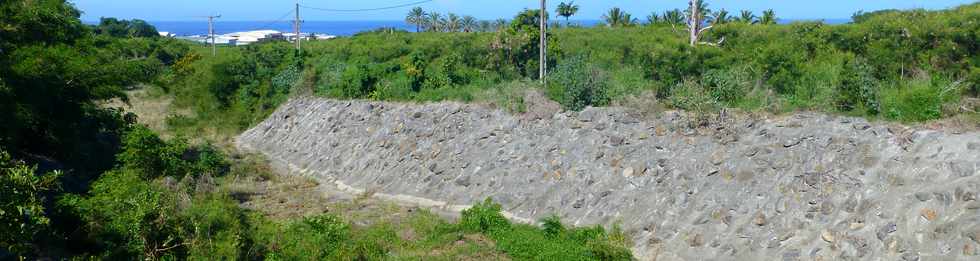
{"x":278,"y":20}
{"x":366,"y":9}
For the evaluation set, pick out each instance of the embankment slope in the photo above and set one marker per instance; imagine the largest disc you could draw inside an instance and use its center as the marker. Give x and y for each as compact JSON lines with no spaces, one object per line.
{"x":801,"y":187}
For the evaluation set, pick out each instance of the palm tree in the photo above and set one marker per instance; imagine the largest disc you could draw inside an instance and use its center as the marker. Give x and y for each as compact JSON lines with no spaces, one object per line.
{"x":654,"y":18}
{"x":567,"y":10}
{"x":453,"y":23}
{"x":674,"y":17}
{"x":433,"y":22}
{"x":500,"y":24}
{"x":768,"y":17}
{"x":720,"y":17}
{"x":629,"y":21}
{"x":416,"y":17}
{"x":747,"y":17}
{"x":469,"y":24}
{"x":485,"y":26}
{"x":617,"y":17}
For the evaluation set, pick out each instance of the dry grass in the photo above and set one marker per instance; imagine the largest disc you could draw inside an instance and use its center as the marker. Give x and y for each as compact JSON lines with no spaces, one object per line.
{"x":151,"y":108}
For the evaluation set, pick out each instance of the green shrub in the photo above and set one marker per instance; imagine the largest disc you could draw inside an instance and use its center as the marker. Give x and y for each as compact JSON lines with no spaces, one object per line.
{"x":484,"y":217}
{"x":693,"y":97}
{"x":918,"y":100}
{"x":283,"y":82}
{"x":22,"y":205}
{"x":818,"y":88}
{"x":313,"y":238}
{"x":216,"y":229}
{"x":780,"y":64}
{"x":858,"y":88}
{"x":552,"y":226}
{"x":728,"y":85}
{"x":577,"y":84}
{"x":415,"y":67}
{"x":625,"y":82}
{"x":393,"y":90}
{"x":550,"y":242}
{"x":973,"y":81}
{"x":145,"y":152}
{"x":210,"y":161}
{"x":357,"y":81}
{"x":229,"y":75}
{"x":130,"y":217}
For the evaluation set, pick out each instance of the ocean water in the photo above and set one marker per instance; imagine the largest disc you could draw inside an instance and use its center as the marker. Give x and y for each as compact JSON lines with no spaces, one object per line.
{"x":338,"y":28}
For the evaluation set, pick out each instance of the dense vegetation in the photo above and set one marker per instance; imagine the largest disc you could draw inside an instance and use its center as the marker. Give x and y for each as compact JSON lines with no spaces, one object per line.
{"x":908,"y":66}
{"x":81,"y":180}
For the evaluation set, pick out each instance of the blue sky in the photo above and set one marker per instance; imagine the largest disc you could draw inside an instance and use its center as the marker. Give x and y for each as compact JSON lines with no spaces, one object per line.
{"x":174,"y":10}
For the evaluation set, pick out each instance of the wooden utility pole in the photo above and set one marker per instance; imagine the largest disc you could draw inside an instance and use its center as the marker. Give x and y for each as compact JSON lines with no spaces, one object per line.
{"x":299,"y":39}
{"x":544,"y":44}
{"x":214,"y":50}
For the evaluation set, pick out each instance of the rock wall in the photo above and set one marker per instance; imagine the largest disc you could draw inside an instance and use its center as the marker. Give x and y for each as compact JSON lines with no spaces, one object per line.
{"x":804,"y":187}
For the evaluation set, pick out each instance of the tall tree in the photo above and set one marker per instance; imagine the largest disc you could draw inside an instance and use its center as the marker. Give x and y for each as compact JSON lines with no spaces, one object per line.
{"x":616,"y":17}
{"x":433,"y":22}
{"x":720,"y":17}
{"x":469,"y":24}
{"x":567,"y":10}
{"x":695,"y":21}
{"x":674,"y":17}
{"x":500,"y":24}
{"x":416,"y":17}
{"x":696,"y":11}
{"x":485,"y":26}
{"x":747,"y":17}
{"x":453,"y":23}
{"x":768,"y":17}
{"x":654,"y":18}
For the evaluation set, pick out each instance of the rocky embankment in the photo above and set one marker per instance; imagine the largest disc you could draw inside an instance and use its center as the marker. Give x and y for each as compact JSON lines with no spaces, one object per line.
{"x":804,"y":187}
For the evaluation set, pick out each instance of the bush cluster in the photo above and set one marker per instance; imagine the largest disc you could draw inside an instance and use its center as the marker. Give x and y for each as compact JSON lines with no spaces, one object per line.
{"x":577,"y":84}
{"x":551,"y":241}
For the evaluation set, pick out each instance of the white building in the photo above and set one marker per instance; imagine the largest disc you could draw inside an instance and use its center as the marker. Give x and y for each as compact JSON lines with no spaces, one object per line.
{"x":250,"y":37}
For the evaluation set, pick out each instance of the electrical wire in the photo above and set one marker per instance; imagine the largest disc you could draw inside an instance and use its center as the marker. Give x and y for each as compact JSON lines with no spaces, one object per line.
{"x":366,"y":9}
{"x":278,"y":20}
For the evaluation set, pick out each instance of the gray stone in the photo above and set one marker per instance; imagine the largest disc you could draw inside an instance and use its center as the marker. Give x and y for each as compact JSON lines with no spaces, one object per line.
{"x":923,"y":196}
{"x":695,"y":240}
{"x":972,"y":234}
{"x":973,"y":146}
{"x":792,"y":142}
{"x":857,"y":179}
{"x":463,"y":181}
{"x":963,"y":169}
{"x":886,"y":230}
{"x":616,"y":140}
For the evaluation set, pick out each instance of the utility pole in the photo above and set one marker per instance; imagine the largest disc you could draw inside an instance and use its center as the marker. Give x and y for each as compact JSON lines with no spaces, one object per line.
{"x":544,"y":44}
{"x":296,"y":27}
{"x":214,"y":50}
